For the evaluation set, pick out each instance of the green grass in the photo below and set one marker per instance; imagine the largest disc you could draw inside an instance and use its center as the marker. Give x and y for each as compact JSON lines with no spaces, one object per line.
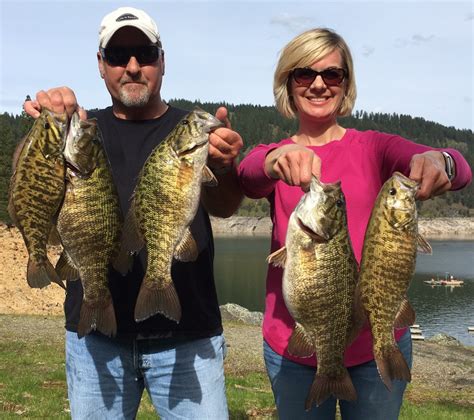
{"x":33,"y":385}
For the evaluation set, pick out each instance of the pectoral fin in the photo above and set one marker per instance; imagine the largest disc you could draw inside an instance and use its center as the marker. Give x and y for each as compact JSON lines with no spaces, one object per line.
{"x":423,"y":246}
{"x":187,"y":249}
{"x":300,"y":343}
{"x":405,"y":316}
{"x":66,"y":269}
{"x":54,"y":238}
{"x":208,"y":178}
{"x":278,"y":258}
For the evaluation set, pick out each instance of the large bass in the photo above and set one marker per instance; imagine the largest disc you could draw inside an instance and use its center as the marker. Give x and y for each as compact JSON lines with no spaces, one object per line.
{"x":387,"y":267}
{"x":318,"y":287}
{"x":36,"y":192}
{"x":165,"y":201}
{"x":89,"y":225}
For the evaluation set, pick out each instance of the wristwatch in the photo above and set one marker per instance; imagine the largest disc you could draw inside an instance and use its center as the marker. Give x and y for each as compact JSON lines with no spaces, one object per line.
{"x":449,"y":165}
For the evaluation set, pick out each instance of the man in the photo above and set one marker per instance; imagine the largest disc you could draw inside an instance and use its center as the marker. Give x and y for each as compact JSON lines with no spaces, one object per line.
{"x":180,"y":365}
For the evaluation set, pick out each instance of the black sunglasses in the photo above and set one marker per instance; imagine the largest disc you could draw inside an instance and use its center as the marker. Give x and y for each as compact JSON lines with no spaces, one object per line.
{"x":120,"y":56}
{"x":332,"y":76}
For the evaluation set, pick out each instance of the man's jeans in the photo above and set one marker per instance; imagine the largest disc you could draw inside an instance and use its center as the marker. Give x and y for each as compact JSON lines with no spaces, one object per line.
{"x":106,"y":377}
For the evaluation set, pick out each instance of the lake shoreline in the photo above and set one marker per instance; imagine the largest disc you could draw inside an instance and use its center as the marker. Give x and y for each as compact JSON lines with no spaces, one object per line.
{"x":443,"y":228}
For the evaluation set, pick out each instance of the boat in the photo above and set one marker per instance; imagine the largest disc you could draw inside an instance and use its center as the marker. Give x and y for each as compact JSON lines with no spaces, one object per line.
{"x":433,"y":282}
{"x":416,"y":333}
{"x":448,"y":280}
{"x":451,"y":281}
{"x":418,"y":337}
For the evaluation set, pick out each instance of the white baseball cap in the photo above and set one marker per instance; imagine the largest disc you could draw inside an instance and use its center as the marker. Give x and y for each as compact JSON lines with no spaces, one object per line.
{"x":127,"y":16}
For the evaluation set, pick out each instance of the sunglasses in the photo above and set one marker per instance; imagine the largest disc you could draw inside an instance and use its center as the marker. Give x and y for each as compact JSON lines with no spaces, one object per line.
{"x":120,"y":56}
{"x":332,"y":76}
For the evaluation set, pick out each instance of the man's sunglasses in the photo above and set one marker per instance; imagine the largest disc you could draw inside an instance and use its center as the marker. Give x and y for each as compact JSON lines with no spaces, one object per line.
{"x":332,"y":76}
{"x":120,"y":56}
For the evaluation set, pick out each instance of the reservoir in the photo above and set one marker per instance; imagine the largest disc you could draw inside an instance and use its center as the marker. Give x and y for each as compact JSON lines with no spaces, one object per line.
{"x":240,"y":272}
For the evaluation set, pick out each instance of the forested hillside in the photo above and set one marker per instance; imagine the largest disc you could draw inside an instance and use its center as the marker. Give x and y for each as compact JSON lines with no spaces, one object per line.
{"x":262,"y":124}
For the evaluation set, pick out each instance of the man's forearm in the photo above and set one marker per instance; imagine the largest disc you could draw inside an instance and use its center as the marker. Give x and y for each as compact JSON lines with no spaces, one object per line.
{"x":224,"y":199}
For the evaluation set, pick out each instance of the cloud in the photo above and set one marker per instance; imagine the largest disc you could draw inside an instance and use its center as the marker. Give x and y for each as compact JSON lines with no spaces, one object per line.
{"x":470,"y":16}
{"x":293,"y":23}
{"x":367,"y":50}
{"x":416,"y":39}
{"x":467,"y":99}
{"x":401,"y":43}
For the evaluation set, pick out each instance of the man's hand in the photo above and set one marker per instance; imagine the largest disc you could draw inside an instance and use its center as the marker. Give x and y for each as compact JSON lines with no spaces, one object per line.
{"x":224,"y":144}
{"x":293,"y":164}
{"x":428,"y":169}
{"x":224,"y":147}
{"x":58,"y":100}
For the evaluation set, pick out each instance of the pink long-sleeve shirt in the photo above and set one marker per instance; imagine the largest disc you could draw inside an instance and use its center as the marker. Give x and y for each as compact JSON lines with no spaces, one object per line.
{"x":362,"y":161}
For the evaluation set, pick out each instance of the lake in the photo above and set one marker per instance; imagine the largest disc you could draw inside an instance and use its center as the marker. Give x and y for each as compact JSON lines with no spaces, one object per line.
{"x":240,"y":272}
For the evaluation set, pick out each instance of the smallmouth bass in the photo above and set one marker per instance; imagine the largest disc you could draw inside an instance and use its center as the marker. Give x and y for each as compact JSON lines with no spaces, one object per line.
{"x":387,"y":267}
{"x":164,"y":203}
{"x":320,"y":274}
{"x":89,"y":225}
{"x":36,"y":192}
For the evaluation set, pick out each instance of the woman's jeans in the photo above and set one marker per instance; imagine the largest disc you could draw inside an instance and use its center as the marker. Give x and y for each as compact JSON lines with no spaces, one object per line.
{"x":106,"y":377}
{"x":291,"y":383}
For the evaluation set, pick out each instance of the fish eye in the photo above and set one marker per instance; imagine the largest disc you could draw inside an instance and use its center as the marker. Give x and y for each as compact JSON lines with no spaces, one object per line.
{"x":185,"y":122}
{"x":339,"y":203}
{"x":46,"y":126}
{"x":392,"y":191}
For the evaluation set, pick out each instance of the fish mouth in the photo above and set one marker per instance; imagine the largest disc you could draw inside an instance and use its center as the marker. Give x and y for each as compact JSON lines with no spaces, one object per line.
{"x":311,"y":233}
{"x":191,"y":150}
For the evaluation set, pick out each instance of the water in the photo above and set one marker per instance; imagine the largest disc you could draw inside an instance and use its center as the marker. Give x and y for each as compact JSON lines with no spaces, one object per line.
{"x":240,"y":270}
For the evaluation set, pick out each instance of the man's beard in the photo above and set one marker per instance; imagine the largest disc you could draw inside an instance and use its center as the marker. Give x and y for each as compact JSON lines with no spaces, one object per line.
{"x":136,"y":98}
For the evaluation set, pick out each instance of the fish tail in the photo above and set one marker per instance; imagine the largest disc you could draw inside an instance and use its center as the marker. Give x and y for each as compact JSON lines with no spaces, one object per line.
{"x":40,"y":275}
{"x":152,"y":301}
{"x":393,"y":366}
{"x":97,"y":317}
{"x":324,"y":386}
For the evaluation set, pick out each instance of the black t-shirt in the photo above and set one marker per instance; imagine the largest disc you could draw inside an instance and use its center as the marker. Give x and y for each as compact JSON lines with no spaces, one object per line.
{"x":128,"y":144}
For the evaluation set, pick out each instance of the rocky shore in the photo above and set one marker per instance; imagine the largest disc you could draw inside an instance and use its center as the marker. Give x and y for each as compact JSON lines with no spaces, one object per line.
{"x":461,"y":228}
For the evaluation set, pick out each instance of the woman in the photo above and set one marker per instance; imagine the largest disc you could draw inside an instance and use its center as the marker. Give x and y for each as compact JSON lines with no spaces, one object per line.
{"x":314,"y":82}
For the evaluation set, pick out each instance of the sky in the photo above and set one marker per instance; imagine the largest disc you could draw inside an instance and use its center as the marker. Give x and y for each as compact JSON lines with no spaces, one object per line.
{"x":411,"y":57}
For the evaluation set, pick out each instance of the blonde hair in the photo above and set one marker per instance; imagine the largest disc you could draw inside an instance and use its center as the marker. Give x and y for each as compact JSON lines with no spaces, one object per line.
{"x":303,"y":51}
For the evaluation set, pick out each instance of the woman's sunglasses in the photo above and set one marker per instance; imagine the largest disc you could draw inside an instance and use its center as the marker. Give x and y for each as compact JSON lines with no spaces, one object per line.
{"x":120,"y":56}
{"x":332,"y":76}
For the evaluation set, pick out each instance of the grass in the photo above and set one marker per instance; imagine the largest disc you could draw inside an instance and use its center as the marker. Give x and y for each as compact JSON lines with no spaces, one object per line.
{"x":33,"y":385}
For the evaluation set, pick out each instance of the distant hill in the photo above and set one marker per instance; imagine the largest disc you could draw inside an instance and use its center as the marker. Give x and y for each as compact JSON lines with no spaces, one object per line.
{"x":263,"y":124}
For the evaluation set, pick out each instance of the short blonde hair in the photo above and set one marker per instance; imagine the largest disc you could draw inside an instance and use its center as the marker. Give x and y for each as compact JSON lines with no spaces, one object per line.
{"x":303,"y":51}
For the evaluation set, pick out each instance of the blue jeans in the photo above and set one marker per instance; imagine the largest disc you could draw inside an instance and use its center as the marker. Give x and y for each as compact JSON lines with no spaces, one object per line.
{"x":291,"y":383}
{"x":106,"y":377}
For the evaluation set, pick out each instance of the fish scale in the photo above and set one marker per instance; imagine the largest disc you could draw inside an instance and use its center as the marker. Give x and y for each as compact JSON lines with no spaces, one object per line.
{"x":318,"y":287}
{"x":89,"y":224}
{"x":36,"y":192}
{"x":164,"y":203}
{"x":387,"y":267}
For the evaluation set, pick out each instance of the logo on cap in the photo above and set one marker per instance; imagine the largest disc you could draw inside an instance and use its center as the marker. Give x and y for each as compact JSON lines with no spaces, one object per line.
{"x":126,"y":16}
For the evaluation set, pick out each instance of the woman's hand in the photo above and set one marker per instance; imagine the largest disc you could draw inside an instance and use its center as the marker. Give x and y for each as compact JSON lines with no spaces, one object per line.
{"x":428,"y":169}
{"x":293,"y":164}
